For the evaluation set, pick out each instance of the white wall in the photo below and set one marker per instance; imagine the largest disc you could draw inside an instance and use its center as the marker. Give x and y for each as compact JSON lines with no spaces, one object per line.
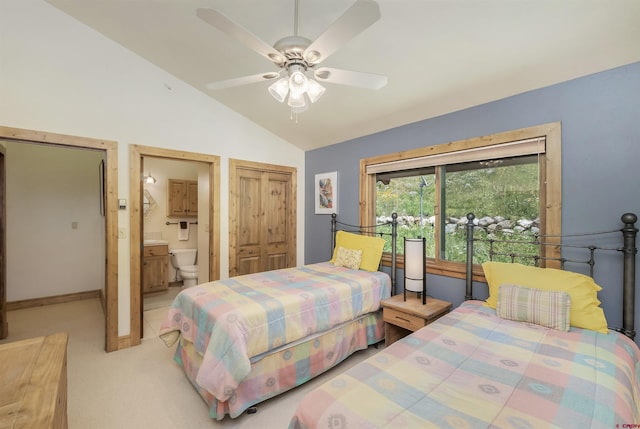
{"x":55,"y":231}
{"x":57,"y":75}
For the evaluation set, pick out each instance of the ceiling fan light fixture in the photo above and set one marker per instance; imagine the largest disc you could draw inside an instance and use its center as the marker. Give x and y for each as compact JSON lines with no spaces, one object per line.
{"x":314,"y":90}
{"x":298,"y":82}
{"x":296,"y":100}
{"x":279,"y":89}
{"x":296,"y":56}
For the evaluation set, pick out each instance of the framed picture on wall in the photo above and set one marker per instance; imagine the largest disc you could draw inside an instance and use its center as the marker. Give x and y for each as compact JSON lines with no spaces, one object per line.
{"x":326,"y":193}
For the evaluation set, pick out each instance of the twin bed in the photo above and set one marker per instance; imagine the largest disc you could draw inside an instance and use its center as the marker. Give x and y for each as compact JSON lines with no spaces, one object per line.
{"x":473,"y":369}
{"x":536,"y":353}
{"x":249,"y":338}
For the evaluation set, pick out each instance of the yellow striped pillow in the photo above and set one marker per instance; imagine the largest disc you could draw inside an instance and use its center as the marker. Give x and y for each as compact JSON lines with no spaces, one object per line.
{"x":546,"y":308}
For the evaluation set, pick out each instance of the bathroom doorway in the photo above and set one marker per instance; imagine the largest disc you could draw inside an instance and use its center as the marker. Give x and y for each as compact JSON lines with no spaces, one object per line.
{"x":175,"y":210}
{"x":208,"y":180}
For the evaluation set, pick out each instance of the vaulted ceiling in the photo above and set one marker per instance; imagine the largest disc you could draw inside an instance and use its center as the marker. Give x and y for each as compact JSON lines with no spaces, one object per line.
{"x":439,"y":55}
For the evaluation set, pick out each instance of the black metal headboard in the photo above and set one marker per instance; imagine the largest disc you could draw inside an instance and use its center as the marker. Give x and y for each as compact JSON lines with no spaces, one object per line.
{"x":371,"y":230}
{"x":629,"y":250}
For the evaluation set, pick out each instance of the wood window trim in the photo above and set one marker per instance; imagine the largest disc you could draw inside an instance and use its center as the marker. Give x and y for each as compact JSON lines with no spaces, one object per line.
{"x":550,"y":186}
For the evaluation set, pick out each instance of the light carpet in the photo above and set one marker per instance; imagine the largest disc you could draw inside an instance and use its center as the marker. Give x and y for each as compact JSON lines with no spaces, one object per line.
{"x":139,"y":387}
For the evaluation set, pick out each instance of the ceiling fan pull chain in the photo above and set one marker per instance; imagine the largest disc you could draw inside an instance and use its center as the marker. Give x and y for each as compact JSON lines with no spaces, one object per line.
{"x":291,"y":116}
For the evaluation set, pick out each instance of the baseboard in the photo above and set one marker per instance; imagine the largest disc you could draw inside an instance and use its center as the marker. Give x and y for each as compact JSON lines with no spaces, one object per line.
{"x":103,"y":301}
{"x":124,"y":342}
{"x":58,"y":299}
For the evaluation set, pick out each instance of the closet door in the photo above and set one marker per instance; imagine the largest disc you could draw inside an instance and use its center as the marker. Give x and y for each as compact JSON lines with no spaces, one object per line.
{"x":249,"y":225}
{"x":262,"y":224}
{"x":277,"y":233}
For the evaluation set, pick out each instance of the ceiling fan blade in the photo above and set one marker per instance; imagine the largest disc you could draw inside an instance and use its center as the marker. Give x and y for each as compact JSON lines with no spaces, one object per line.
{"x":229,"y":83}
{"x":356,"y":19}
{"x":230,"y":28}
{"x":352,"y":78}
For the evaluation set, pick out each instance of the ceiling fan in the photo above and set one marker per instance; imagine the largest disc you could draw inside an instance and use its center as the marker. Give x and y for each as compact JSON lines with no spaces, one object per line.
{"x":298,"y":57}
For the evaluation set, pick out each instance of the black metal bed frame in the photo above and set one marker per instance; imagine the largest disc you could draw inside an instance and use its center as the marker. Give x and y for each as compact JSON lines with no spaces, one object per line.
{"x":629,"y":250}
{"x":371,"y":230}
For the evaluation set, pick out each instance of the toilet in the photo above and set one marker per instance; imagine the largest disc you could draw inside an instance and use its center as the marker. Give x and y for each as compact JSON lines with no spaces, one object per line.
{"x":184,"y":261}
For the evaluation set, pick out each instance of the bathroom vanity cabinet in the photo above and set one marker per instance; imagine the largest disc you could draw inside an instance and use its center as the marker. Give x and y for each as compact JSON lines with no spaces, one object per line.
{"x":183,"y":198}
{"x":155,"y":268}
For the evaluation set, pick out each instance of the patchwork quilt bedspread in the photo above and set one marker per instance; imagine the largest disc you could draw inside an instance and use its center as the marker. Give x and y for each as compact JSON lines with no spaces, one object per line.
{"x":230,"y":321}
{"x":472,"y":369}
{"x":287,"y":367}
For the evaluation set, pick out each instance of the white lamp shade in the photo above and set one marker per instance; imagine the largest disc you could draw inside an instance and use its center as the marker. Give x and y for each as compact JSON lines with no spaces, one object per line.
{"x":413,"y":264}
{"x":298,"y":82}
{"x":413,"y":285}
{"x":296,"y":86}
{"x":279,"y":89}
{"x":296,"y":99}
{"x":314,"y":90}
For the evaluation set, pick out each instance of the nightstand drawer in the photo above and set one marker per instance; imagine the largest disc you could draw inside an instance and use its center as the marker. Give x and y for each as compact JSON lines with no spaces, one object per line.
{"x":404,"y":320}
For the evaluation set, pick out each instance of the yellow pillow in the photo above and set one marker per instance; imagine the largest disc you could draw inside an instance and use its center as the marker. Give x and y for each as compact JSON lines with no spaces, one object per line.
{"x":585,"y":306}
{"x":371,"y":248}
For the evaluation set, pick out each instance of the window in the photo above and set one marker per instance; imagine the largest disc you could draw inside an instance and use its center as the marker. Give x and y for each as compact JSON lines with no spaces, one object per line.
{"x":511,"y":181}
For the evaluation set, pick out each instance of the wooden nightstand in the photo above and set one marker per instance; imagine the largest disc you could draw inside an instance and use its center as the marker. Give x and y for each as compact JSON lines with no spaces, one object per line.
{"x":403,"y":317}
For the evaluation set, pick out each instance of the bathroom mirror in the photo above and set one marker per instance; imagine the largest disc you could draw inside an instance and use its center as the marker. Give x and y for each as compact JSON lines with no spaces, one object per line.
{"x":148,"y":203}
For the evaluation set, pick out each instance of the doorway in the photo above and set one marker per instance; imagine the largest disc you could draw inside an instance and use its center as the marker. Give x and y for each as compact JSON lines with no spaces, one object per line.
{"x":211,"y":224}
{"x":110,"y":212}
{"x":175,"y":216}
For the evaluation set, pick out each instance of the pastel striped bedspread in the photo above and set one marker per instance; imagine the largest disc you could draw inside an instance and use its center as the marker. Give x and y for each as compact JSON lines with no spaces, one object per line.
{"x":285,"y":368}
{"x":472,"y":369}
{"x":230,"y":321}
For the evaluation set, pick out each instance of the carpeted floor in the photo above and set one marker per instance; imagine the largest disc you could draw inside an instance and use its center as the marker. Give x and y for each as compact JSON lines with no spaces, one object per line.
{"x":139,"y":387}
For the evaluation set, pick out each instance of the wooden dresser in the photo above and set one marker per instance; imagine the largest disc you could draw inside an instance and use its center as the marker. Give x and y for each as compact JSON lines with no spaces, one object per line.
{"x":33,"y":383}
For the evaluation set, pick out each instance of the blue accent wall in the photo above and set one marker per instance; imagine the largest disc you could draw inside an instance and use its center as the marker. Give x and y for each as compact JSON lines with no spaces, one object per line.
{"x":600,"y":116}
